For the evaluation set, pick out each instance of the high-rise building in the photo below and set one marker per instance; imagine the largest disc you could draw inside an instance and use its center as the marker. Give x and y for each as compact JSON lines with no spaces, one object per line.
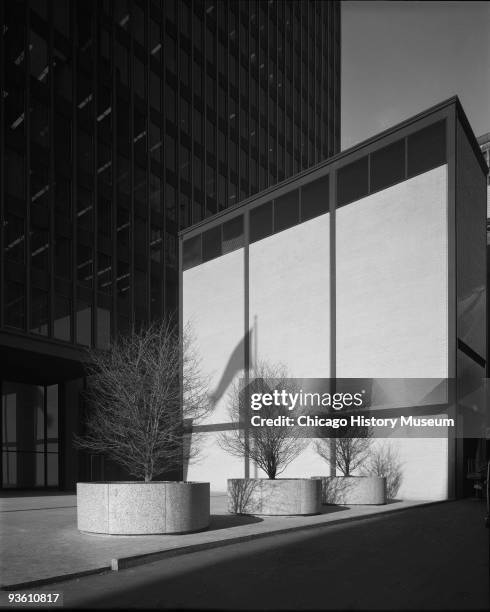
{"x":122,"y":123}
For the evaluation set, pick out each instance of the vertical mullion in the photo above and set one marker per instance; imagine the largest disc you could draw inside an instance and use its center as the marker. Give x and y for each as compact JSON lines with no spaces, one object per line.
{"x":115,"y":163}
{"x":95,"y":257}
{"x":182,"y":222}
{"x":276,"y":103}
{"x":45,"y":434}
{"x":322,"y":88}
{"x":216,"y":113}
{"x":267,"y":98}
{"x":147,"y":68}
{"x":226,"y":123}
{"x":190,"y":77}
{"x":246,"y":331}
{"x":249,"y":100}
{"x":2,"y":182}
{"x":52,"y":180}
{"x":163,"y":126}
{"x":132,"y":183}
{"x":27,"y":182}
{"x":294,"y":137}
{"x":74,"y":182}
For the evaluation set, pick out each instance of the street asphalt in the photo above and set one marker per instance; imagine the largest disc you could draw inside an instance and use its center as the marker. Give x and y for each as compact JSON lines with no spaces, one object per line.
{"x":426,"y":558}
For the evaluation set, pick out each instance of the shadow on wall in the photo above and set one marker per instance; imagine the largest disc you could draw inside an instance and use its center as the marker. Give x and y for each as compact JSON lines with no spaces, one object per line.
{"x":234,"y":365}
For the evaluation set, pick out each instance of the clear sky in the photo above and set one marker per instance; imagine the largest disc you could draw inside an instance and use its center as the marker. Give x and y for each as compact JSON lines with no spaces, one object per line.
{"x":399,"y":58}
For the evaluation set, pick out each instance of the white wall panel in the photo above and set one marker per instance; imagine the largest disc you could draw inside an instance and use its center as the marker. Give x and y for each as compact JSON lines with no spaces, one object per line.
{"x":214,"y":465}
{"x":213,"y":302}
{"x":289,"y":298}
{"x":424,"y":463}
{"x":392,"y":281}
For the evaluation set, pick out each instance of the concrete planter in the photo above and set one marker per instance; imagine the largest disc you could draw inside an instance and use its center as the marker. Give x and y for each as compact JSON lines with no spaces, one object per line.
{"x":351,"y":490}
{"x":138,"y":508}
{"x":282,"y":497}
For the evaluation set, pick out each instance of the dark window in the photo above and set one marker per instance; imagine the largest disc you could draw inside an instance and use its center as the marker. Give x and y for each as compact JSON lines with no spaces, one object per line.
{"x":233,"y":234}
{"x":103,"y":327}
{"x":388,"y":165}
{"x":14,"y":308}
{"x":14,"y":232}
{"x":261,"y":222}
{"x":104,"y":273}
{"x":286,"y":211}
{"x":211,"y":243}
{"x":39,"y":248}
{"x":315,"y":199}
{"x":14,"y":174}
{"x":352,"y":181}
{"x":192,"y":252}
{"x":84,"y":323}
{"x":62,"y":257}
{"x":84,"y":264}
{"x":39,"y":312}
{"x":427,"y":148}
{"x":140,"y":295}
{"x":62,"y":318}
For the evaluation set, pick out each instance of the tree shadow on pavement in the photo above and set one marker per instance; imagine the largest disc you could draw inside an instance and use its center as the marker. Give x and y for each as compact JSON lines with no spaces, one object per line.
{"x":224,"y":521}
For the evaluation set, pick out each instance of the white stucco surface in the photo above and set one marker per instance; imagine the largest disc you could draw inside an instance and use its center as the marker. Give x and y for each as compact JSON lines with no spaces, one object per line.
{"x":213,"y":304}
{"x":392,"y":281}
{"x":290,"y":298}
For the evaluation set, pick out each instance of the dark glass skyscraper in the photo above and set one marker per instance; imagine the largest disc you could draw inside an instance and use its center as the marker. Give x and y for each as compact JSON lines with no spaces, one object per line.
{"x":122,"y":123}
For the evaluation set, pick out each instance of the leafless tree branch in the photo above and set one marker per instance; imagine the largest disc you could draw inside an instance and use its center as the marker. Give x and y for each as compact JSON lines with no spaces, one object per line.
{"x":137,"y":408}
{"x":271,"y":448}
{"x":352,"y":445}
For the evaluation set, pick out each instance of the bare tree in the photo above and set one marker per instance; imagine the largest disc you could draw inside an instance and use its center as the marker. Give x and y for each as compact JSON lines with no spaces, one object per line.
{"x":137,"y":408}
{"x":351,"y":449}
{"x":384,"y":461}
{"x":272,"y":447}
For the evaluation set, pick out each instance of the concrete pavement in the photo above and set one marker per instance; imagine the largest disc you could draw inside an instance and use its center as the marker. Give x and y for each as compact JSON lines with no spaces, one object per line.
{"x":428,"y":558}
{"x":41,"y":544}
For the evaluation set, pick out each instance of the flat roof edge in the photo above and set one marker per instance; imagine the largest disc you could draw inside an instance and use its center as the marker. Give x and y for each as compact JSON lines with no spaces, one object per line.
{"x":452,"y":101}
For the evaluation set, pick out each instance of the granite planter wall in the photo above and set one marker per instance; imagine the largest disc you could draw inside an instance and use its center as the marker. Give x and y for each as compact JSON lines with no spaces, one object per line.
{"x":281,"y":497}
{"x":352,"y":490}
{"x":138,"y":508}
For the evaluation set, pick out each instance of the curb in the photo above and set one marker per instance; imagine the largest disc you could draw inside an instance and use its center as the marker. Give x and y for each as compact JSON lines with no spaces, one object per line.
{"x":159,"y":555}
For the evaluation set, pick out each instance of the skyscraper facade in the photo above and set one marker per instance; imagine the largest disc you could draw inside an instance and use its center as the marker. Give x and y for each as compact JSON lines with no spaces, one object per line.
{"x":124,"y":122}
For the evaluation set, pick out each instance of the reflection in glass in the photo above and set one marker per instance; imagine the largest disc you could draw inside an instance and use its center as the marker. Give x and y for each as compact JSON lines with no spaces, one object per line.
{"x":14,"y":234}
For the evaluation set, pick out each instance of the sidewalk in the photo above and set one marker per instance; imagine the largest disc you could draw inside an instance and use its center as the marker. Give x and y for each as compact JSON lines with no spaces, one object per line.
{"x":40,"y":541}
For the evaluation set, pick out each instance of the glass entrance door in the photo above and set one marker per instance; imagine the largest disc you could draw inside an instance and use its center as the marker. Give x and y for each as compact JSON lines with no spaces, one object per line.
{"x":30,"y":434}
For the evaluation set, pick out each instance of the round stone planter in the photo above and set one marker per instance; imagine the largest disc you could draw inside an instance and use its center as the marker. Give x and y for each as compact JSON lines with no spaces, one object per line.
{"x":281,"y":497}
{"x":139,"y":508}
{"x":352,"y":490}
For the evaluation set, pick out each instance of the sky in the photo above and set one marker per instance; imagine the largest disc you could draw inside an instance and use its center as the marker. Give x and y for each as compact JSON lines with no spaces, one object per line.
{"x":400,"y":58}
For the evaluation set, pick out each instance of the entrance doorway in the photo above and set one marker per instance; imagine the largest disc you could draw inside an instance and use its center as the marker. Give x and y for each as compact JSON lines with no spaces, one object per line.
{"x":30,"y":436}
